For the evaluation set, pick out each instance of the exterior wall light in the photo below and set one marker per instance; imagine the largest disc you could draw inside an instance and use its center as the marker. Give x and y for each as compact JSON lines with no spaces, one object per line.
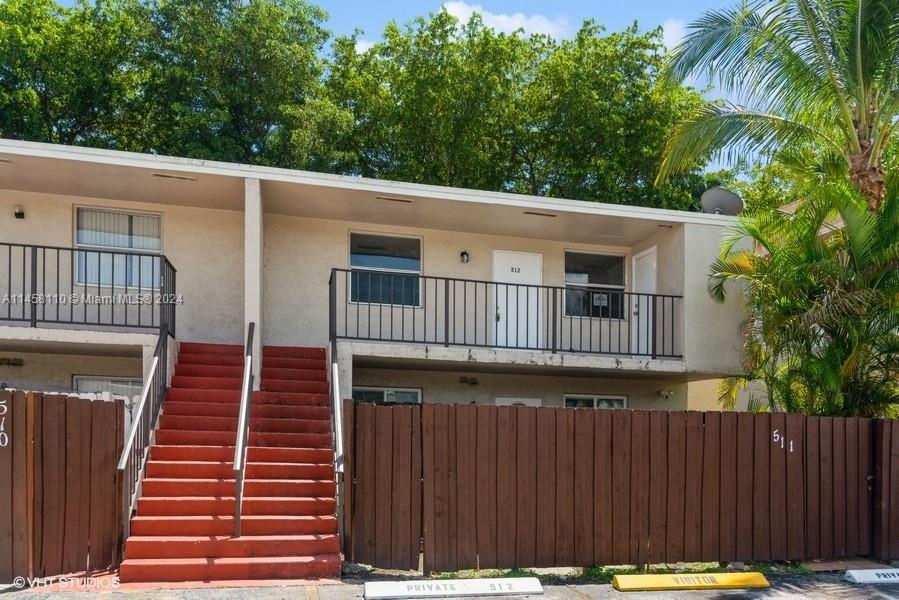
{"x":19,"y":212}
{"x":465,"y":257}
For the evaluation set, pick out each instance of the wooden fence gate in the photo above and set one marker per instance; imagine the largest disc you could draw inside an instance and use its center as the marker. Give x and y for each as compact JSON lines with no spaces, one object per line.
{"x":59,"y":496}
{"x":488,"y":486}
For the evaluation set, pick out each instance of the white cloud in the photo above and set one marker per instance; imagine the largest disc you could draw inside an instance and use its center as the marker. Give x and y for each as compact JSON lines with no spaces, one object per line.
{"x":363,"y":45}
{"x":673,"y":31}
{"x":557,"y":27}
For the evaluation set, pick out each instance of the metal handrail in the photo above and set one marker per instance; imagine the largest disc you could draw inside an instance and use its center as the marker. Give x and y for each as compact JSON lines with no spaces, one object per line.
{"x":133,"y":459}
{"x":337,"y":432}
{"x":243,"y":426}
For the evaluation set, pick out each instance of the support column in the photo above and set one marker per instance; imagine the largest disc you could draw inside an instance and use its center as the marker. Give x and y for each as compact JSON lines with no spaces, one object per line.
{"x":252,"y":275}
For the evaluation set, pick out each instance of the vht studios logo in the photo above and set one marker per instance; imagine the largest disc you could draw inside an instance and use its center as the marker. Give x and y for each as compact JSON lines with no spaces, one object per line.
{"x":68,"y":582}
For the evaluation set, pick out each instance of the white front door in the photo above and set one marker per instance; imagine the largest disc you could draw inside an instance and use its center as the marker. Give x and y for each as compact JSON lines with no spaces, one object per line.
{"x":519,"y":402}
{"x":518,"y":299}
{"x":644,"y":274}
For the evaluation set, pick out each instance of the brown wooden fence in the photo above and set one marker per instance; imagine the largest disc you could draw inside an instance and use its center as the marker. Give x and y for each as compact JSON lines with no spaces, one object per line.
{"x":886,"y":490}
{"x":541,"y":487}
{"x":58,"y":489}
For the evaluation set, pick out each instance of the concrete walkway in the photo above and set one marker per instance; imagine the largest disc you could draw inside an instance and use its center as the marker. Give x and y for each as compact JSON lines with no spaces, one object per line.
{"x":811,"y":587}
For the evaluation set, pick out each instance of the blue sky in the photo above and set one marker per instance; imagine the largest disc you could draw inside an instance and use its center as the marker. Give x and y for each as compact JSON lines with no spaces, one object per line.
{"x":557,"y":18}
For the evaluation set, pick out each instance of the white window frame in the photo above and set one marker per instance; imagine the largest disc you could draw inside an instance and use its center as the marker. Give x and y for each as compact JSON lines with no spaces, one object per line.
{"x":594,"y":398}
{"x":419,"y":273}
{"x":88,"y":247}
{"x":385,"y":390}
{"x":109,"y":378}
{"x":595,"y":286}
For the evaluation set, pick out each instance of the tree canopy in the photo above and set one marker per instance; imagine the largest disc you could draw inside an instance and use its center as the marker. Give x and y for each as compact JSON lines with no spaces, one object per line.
{"x":817,"y":79}
{"x":434,"y":101}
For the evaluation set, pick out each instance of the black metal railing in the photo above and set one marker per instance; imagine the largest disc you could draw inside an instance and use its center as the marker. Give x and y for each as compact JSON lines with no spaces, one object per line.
{"x":243,"y":428}
{"x":140,"y":436}
{"x":401,"y":307}
{"x":89,"y":287}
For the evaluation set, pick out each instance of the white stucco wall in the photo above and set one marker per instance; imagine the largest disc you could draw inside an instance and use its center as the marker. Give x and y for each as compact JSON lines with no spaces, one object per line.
{"x":204,"y":245}
{"x":47,"y":372}
{"x":444,"y":387}
{"x":712,"y":336}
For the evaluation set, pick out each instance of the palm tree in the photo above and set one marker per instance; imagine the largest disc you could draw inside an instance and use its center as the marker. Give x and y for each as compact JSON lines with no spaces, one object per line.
{"x":820,"y":74}
{"x":821,"y":287}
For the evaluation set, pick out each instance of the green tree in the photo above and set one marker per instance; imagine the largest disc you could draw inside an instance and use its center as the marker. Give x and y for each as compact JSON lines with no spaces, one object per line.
{"x":232,"y":80}
{"x":457,"y":104}
{"x":817,"y":76}
{"x":821,"y":288}
{"x":593,"y":118}
{"x":64,"y":73}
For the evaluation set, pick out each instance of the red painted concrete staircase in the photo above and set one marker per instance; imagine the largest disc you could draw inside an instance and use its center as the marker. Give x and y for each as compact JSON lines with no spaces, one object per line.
{"x":184,"y":526}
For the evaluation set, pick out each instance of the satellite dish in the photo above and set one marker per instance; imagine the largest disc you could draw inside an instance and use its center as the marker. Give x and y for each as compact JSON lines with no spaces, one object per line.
{"x":720,"y":201}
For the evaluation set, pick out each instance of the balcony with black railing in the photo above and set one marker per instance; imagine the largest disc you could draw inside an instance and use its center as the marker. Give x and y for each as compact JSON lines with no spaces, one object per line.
{"x":381,"y":306}
{"x":86,"y":288}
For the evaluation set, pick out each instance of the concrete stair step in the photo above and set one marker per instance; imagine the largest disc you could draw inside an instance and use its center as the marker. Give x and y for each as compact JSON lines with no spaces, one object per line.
{"x":207,"y":383}
{"x":224,"y":360}
{"x":173,"y":437}
{"x":224,"y":569}
{"x":292,"y":385}
{"x":224,"y":525}
{"x":283,"y":362}
{"x":192,"y":469}
{"x":188,"y":370}
{"x":292,"y":352}
{"x":204,"y":348}
{"x":230,"y":547}
{"x":257,"y":424}
{"x":225,"y":453}
{"x":257,"y":409}
{"x":224,"y":506}
{"x":253,"y":488}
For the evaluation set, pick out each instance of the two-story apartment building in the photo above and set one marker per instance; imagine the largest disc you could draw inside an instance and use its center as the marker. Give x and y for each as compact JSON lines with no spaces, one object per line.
{"x":435,"y":295}
{"x":145,"y":276}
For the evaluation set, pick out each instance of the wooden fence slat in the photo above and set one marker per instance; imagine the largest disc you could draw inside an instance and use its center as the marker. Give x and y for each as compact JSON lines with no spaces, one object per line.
{"x":602,"y":486}
{"x":761,"y":498}
{"x":35,"y":408}
{"x":118,"y":485}
{"x":384,"y":485}
{"x":75,"y":492}
{"x":893,"y":532}
{"x":545,"y":535}
{"x":728,"y":476}
{"x":839,"y":486}
{"x":417,"y":497}
{"x":20,"y":474}
{"x":677,"y":472}
{"x":745,"y":485}
{"x":505,"y":487}
{"x":812,"y":488}
{"x":564,"y":486}
{"x":400,"y":523}
{"x":639,"y":487}
{"x":103,"y":498}
{"x":7,"y":435}
{"x":452,"y":499}
{"x":367,"y":498}
{"x":865,"y":496}
{"x":429,"y":484}
{"x":54,"y":483}
{"x":486,"y":484}
{"x":349,"y":488}
{"x":526,"y":483}
{"x":583,"y":486}
{"x":851,"y":462}
{"x":84,"y":517}
{"x":795,"y":486}
{"x":442,"y":558}
{"x":777,"y":510}
{"x":658,"y":485}
{"x":693,"y":488}
{"x":466,"y":457}
{"x":711,"y":485}
{"x":621,"y":496}
{"x":825,"y":454}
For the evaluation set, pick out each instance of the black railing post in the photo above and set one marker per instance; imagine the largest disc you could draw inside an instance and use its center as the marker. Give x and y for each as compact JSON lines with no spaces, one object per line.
{"x":446,"y":312}
{"x":34,"y":286}
{"x":652,"y":324}
{"x":555,"y":315}
{"x":332,"y":309}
